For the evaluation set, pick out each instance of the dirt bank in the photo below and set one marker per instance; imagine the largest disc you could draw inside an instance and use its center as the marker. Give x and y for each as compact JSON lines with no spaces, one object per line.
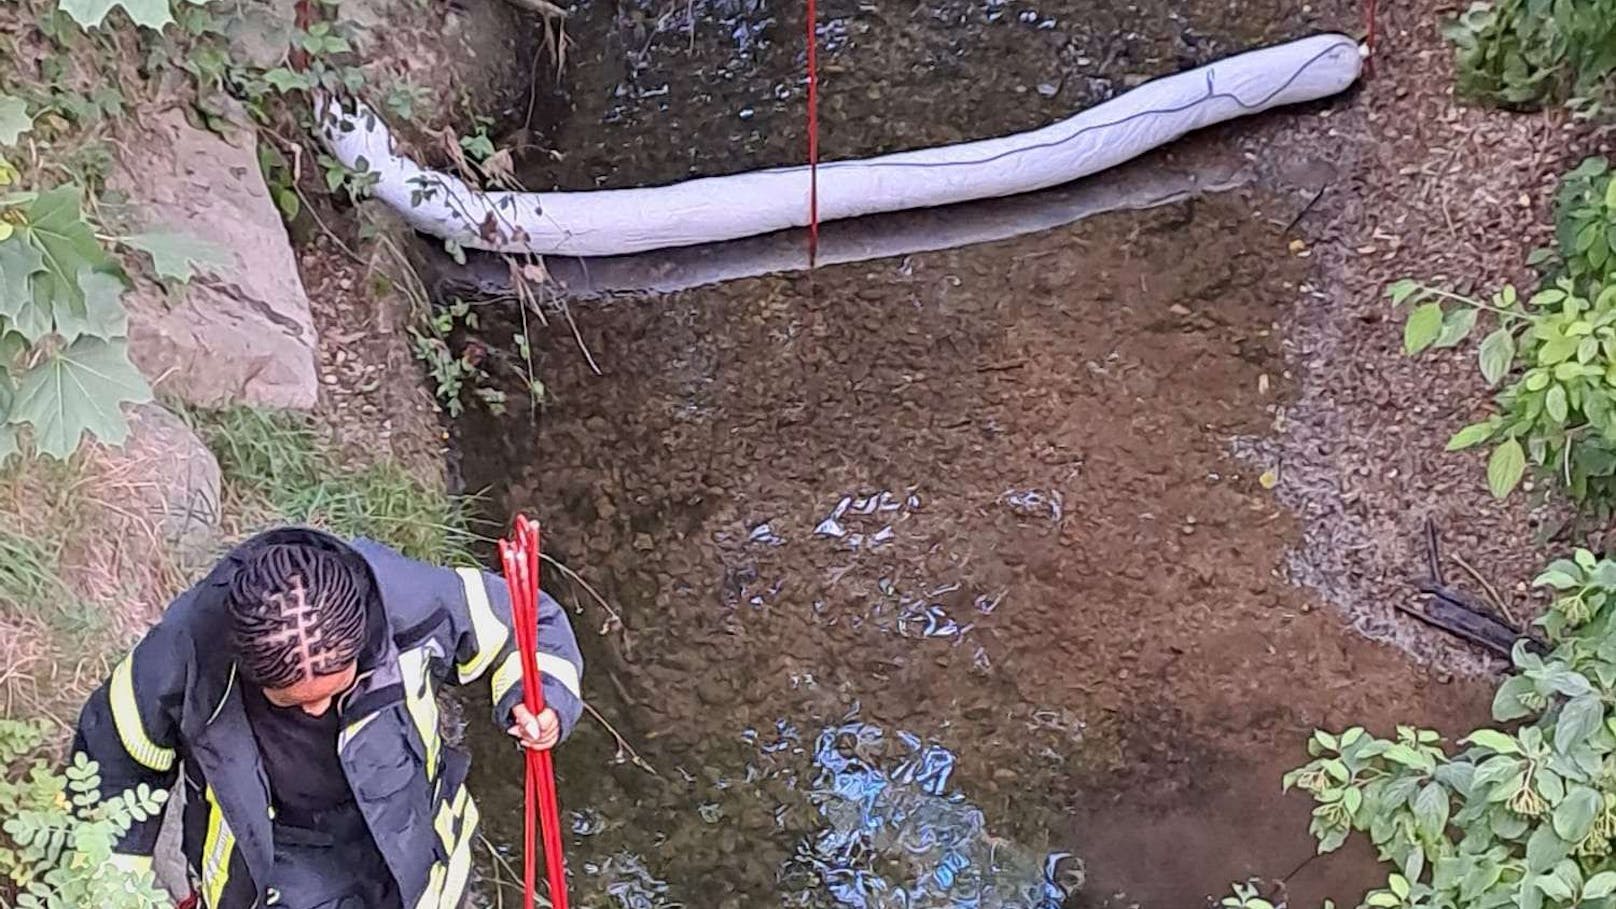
{"x":1440,"y":191}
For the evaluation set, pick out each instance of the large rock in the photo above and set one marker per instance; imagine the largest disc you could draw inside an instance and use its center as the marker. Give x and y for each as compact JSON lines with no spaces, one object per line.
{"x":160,"y":521}
{"x":180,"y":494}
{"x":242,"y":334}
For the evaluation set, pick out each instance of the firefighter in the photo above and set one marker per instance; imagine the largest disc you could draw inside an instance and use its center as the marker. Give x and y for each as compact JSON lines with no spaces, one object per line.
{"x":292,"y":693}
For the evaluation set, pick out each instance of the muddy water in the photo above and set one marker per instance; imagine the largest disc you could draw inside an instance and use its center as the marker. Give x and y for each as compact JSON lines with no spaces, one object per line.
{"x":938,"y":583}
{"x":1050,"y":566}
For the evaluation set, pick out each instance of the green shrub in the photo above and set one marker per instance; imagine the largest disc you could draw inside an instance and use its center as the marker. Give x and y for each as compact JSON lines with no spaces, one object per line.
{"x":1522,"y":818}
{"x":1552,"y":356}
{"x":58,"y":833}
{"x":1584,"y":225}
{"x":1525,"y":53}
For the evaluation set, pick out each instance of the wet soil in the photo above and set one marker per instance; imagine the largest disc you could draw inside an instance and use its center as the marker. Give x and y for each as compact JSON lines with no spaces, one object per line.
{"x":996,"y":510}
{"x":1075,"y":585}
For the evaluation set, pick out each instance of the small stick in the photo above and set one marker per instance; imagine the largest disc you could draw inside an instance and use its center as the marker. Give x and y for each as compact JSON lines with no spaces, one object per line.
{"x":578,"y":579}
{"x":1492,"y":594}
{"x":542,"y":7}
{"x":622,"y":744}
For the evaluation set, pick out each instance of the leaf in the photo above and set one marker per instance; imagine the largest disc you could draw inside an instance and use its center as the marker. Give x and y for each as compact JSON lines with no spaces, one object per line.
{"x":1431,"y":811}
{"x":91,"y":13}
{"x":1423,"y":327}
{"x":1494,"y":740}
{"x":14,"y":119}
{"x":1555,"y":403}
{"x":285,"y":80}
{"x":1602,"y":884}
{"x":1505,"y":467}
{"x":104,"y":315}
{"x":1574,"y":816}
{"x":1553,"y":887}
{"x":1544,"y":849}
{"x":57,"y":226}
{"x":1554,"y":577}
{"x":1456,"y":326}
{"x":1411,"y":757}
{"x":1470,"y":436}
{"x":178,"y":256}
{"x":1578,"y":720}
{"x":19,"y":261}
{"x":77,"y":390}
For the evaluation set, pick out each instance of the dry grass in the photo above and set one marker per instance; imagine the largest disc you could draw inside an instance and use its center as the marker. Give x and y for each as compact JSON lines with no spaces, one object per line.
{"x":84,"y":566}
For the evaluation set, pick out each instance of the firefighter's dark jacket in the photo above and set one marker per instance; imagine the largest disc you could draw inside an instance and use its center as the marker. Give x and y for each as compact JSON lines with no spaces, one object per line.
{"x":173,"y":710}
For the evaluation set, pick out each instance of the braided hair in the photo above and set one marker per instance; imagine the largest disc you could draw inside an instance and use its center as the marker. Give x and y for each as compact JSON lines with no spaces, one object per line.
{"x":297,"y":611}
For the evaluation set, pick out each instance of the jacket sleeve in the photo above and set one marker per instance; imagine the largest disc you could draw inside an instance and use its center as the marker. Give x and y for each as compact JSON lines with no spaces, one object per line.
{"x":486,"y":648}
{"x":130,"y":728}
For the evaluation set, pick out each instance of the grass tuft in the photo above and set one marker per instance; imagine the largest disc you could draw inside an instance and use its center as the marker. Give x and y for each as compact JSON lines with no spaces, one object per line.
{"x":277,"y":469}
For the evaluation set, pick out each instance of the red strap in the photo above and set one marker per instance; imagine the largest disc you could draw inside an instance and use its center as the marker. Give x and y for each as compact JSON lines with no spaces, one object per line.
{"x":813,"y":133}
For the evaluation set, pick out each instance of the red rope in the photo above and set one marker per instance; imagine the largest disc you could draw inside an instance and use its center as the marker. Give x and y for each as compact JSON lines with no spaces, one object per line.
{"x":813,"y":133}
{"x":520,"y":560}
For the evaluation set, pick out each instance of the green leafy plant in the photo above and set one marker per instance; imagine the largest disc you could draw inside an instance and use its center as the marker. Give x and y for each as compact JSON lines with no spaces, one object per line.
{"x":58,"y":832}
{"x":404,"y":98}
{"x":64,"y":365}
{"x":1512,"y":818}
{"x":454,"y":372}
{"x":1584,"y":225}
{"x":1558,"y":412}
{"x":357,"y":183}
{"x":1552,"y":356}
{"x":1525,"y":53}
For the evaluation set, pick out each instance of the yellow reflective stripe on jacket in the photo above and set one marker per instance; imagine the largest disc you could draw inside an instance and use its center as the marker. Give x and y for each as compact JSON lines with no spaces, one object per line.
{"x":490,"y":633}
{"x":456,"y":826}
{"x":454,"y":885}
{"x":216,"y":850}
{"x":131,"y":728}
{"x":550,"y":666}
{"x":416,"y":672}
{"x":352,"y":730}
{"x":558,"y":668}
{"x":506,"y":676}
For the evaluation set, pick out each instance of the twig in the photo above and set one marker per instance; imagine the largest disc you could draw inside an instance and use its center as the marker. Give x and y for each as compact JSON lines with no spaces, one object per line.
{"x":542,"y":7}
{"x":622,"y":744}
{"x":578,"y":579}
{"x":533,"y":86}
{"x":588,"y":357}
{"x":1305,"y":209}
{"x":1492,"y":594}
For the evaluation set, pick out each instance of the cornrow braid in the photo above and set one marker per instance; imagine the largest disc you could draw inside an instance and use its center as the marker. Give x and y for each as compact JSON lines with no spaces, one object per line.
{"x":296,"y":611}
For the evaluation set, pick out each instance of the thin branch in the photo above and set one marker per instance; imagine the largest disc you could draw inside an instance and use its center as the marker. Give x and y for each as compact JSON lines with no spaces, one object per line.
{"x":1492,"y":594}
{"x":623,"y":747}
{"x":543,"y":7}
{"x":578,"y":579}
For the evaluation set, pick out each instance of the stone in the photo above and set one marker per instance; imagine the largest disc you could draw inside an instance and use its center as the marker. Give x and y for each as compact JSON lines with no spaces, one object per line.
{"x":243,"y":333}
{"x":178,"y":479}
